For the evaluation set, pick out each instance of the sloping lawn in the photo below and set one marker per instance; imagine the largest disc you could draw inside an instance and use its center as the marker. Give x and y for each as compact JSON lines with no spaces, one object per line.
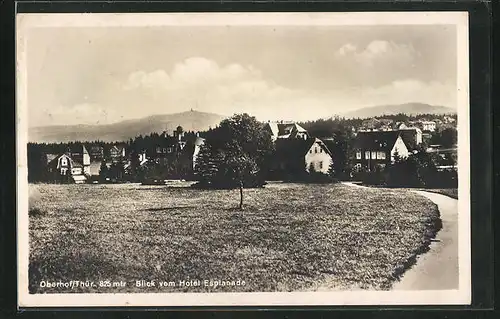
{"x":289,"y":237}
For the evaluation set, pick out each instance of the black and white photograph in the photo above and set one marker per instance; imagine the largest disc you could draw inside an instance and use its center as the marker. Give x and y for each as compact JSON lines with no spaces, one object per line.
{"x":243,"y":159}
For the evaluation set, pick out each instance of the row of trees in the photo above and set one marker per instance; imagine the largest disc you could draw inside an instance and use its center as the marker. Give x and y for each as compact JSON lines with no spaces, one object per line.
{"x":418,"y":170}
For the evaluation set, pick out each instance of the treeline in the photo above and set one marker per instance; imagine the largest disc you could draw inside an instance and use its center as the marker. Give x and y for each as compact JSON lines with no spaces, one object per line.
{"x":403,"y":117}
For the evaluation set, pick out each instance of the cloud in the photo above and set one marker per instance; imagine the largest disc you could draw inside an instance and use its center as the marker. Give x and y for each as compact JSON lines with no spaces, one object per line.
{"x":346,"y":49}
{"x":378,"y":52}
{"x":204,"y":85}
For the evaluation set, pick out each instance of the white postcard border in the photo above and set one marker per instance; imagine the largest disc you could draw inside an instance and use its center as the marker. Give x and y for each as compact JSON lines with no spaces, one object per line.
{"x":436,"y":297}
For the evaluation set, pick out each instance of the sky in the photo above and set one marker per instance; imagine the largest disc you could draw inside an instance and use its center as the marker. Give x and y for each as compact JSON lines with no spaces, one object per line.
{"x":100,"y":75}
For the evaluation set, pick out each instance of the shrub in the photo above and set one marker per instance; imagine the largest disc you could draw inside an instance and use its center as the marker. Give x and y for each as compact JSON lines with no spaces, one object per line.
{"x":311,"y":177}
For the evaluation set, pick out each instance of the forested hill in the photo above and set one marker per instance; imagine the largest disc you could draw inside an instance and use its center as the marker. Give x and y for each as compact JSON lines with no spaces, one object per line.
{"x":125,"y":130}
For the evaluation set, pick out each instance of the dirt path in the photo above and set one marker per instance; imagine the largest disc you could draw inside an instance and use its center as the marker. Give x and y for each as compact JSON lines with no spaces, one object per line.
{"x":438,"y":268}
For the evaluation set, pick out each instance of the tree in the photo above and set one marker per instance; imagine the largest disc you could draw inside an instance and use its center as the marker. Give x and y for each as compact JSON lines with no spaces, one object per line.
{"x":103,"y":171}
{"x":116,"y":171}
{"x":242,"y":168}
{"x":418,"y":170}
{"x":207,"y":165}
{"x":331,"y":170}
{"x":342,"y":150}
{"x":236,"y":154}
{"x":448,"y":137}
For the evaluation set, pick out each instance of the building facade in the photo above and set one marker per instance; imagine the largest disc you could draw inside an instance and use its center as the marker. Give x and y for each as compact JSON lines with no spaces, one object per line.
{"x":378,"y":148}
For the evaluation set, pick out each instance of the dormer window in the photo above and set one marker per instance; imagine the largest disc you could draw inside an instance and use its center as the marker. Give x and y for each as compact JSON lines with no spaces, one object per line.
{"x":64,"y":161}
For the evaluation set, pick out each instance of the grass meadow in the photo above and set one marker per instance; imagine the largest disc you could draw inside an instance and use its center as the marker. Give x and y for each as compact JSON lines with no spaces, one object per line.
{"x":289,"y":237}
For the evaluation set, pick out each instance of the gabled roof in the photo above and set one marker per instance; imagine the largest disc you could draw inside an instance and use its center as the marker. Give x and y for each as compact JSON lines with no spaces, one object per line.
{"x":55,"y":160}
{"x":409,"y":137}
{"x":118,"y":147}
{"x":51,"y":157}
{"x":284,"y":130}
{"x":289,"y":148}
{"x":76,"y":164}
{"x":199,"y":141}
{"x":96,"y":148}
{"x":376,"y":140}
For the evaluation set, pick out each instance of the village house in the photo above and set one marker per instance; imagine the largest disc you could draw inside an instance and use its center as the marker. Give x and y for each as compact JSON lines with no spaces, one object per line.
{"x":178,"y":151}
{"x":286,"y":130}
{"x":296,"y":156}
{"x":412,"y":136}
{"x":96,"y":152}
{"x":378,"y":148}
{"x":428,"y":126}
{"x":448,"y":119}
{"x":73,"y":166}
{"x":166,"y":147}
{"x":117,"y":153}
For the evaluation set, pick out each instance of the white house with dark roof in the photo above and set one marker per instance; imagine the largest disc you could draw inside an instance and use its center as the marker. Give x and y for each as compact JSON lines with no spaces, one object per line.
{"x":72,"y":166}
{"x":294,"y":156}
{"x":374,"y":148}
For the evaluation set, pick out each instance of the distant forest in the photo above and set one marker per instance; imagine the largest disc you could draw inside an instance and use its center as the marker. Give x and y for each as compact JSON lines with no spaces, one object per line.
{"x":333,"y":127}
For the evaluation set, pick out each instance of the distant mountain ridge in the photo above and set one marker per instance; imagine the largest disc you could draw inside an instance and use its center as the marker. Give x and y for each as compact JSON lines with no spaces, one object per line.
{"x":124,"y":130}
{"x":407,"y":108}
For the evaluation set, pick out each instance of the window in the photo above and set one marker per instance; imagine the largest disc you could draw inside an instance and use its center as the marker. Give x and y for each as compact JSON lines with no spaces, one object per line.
{"x":158,"y":150}
{"x":320,"y":165}
{"x":358,"y":155}
{"x":374,"y":155}
{"x":320,"y":150}
{"x":169,"y":150}
{"x":315,"y":149}
{"x":381,"y":155}
{"x":164,"y":150}
{"x":311,"y":151}
{"x":367,"y":154}
{"x":64,"y":161}
{"x":64,"y":171}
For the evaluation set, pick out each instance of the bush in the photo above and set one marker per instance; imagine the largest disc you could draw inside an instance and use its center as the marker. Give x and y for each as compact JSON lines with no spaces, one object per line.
{"x":375,"y":177}
{"x":443,"y":179}
{"x":311,"y":177}
{"x":228,"y":184}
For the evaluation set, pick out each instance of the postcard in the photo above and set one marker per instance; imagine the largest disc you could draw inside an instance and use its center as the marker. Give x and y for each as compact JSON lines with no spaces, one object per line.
{"x":243,"y":159}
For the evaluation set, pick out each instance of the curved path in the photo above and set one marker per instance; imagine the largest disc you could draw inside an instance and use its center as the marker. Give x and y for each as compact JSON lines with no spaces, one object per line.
{"x":437,"y":269}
